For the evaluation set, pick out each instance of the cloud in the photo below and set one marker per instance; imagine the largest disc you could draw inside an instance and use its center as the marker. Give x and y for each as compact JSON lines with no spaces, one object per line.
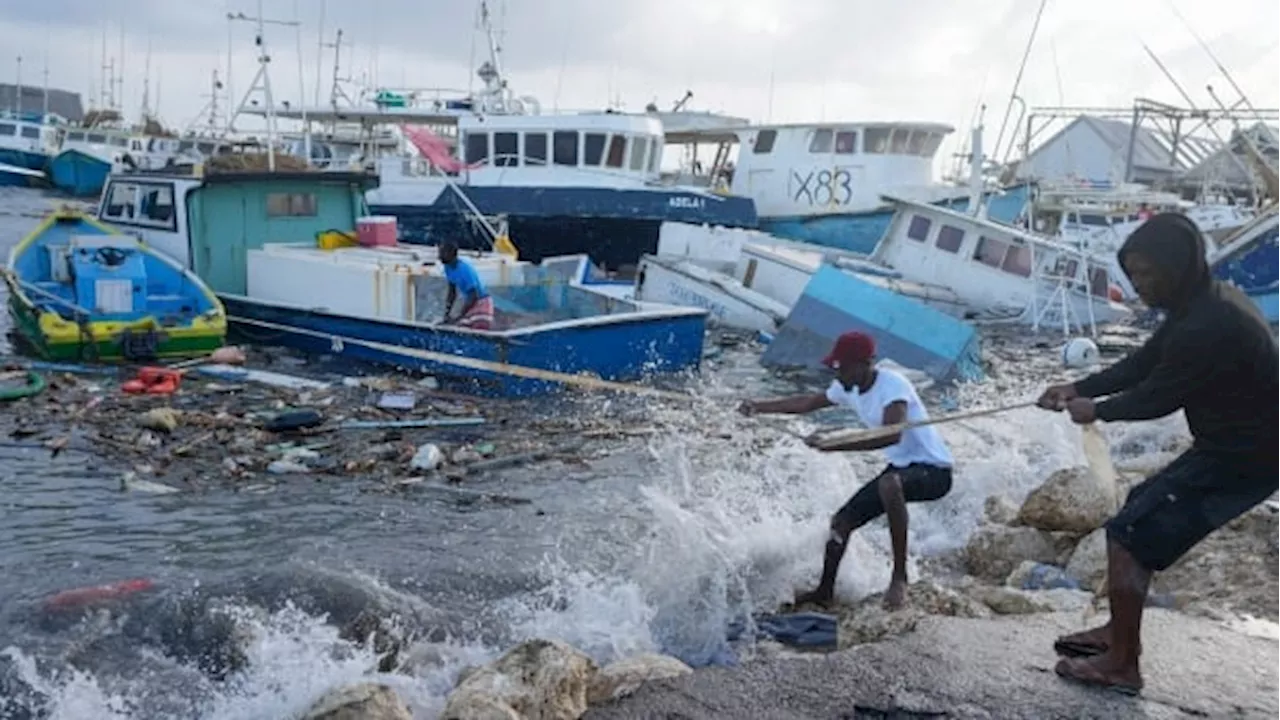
{"x":779,"y":60}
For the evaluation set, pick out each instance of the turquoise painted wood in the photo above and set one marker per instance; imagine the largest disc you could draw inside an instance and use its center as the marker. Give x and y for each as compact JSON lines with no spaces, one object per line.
{"x":906,"y":331}
{"x":229,"y":217}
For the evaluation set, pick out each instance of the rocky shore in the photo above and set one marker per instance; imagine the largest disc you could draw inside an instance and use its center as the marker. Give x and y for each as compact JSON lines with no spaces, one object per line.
{"x":975,"y":639}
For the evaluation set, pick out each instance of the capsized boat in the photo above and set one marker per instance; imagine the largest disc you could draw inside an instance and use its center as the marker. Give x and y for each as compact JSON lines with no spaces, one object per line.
{"x":81,"y":290}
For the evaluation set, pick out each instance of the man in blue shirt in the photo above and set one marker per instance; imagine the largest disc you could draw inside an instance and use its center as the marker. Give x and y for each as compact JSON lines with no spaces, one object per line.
{"x":477,"y":305}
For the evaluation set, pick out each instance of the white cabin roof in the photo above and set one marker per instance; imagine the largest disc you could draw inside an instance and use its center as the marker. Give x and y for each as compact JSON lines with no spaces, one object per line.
{"x":609,"y":122}
{"x":732,"y":133}
{"x":939,"y":211}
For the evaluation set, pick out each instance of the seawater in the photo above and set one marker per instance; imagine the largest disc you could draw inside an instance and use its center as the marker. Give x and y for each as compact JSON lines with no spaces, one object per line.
{"x":655,"y":545}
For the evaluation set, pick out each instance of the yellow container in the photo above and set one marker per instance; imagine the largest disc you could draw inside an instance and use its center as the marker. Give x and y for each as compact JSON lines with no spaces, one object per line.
{"x":334,"y":239}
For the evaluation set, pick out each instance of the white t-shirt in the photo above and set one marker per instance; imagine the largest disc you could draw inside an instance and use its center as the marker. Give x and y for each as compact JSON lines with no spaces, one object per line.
{"x":918,"y":445}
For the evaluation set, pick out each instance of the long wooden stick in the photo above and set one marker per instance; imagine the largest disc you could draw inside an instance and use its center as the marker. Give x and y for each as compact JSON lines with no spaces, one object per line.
{"x":842,"y":437}
{"x":582,"y":381}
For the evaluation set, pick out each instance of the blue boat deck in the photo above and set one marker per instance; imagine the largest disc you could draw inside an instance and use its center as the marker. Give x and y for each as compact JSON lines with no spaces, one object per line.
{"x":155,"y":288}
{"x":557,"y":328}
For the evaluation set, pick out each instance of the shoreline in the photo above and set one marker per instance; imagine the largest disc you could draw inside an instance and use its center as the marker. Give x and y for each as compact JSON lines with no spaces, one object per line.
{"x":1000,"y":667}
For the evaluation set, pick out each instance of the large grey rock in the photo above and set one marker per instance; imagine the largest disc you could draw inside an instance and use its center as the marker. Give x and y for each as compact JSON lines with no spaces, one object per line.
{"x":366,"y":701}
{"x":536,"y":680}
{"x":995,"y":550}
{"x":1074,"y":500}
{"x":1088,"y":562}
{"x":623,"y":677}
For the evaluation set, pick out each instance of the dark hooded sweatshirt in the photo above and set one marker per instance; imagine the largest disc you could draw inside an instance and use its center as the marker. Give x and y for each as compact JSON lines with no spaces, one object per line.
{"x":1214,"y":356}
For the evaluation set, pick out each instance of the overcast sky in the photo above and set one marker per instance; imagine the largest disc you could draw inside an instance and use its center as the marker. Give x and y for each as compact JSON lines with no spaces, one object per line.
{"x":932,"y":60}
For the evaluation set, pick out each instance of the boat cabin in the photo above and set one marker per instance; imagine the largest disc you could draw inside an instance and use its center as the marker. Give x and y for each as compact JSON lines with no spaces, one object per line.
{"x":799,"y":170}
{"x":208,"y":222}
{"x":995,"y":267}
{"x":590,"y":149}
{"x":29,"y":138}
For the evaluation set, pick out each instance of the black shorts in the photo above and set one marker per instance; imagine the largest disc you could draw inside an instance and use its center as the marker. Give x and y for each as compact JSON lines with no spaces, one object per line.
{"x":920,"y":483}
{"x":1165,"y":515}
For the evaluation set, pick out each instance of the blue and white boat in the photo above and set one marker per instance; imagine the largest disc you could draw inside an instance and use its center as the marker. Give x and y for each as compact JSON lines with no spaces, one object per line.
{"x":822,"y":183}
{"x":263,"y":242}
{"x":1248,"y":259}
{"x":89,"y":155}
{"x":29,"y":140}
{"x":564,"y":183}
{"x":14,"y":176}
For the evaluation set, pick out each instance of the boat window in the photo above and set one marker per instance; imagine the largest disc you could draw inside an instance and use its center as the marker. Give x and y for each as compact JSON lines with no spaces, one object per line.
{"x":477,"y":148}
{"x":990,"y":251}
{"x":292,"y":204}
{"x":75,"y":136}
{"x":639,"y":146}
{"x":898,"y":146}
{"x":592,"y":148}
{"x":506,"y":149}
{"x":7,"y":130}
{"x":950,"y":238}
{"x":535,"y":149}
{"x":915,"y":143}
{"x":120,"y":142}
{"x":931,"y":145}
{"x":821,"y":142}
{"x":655,"y":156}
{"x":876,"y":140}
{"x":846,"y":142}
{"x":1065,"y":267}
{"x":565,"y":147}
{"x":1093,"y":220}
{"x":919,"y":228}
{"x":1018,"y":261}
{"x":122,"y":201}
{"x":31,"y":132}
{"x":764,"y":142}
{"x":206,"y":148}
{"x":185,"y":145}
{"x":156,"y":204}
{"x":1098,"y":282}
{"x":96,"y":138}
{"x":617,"y":151}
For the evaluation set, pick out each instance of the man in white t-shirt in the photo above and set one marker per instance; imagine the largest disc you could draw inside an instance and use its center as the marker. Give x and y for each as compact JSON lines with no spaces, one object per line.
{"x":919,"y":467}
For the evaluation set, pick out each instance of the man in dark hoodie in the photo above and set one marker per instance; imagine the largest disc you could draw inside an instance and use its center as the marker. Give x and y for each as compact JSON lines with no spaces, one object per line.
{"x":1214,"y":357}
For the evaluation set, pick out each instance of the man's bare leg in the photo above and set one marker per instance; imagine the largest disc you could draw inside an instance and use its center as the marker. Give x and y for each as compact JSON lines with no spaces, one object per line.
{"x":1117,"y":666}
{"x":895,"y":509}
{"x":836,"y":545}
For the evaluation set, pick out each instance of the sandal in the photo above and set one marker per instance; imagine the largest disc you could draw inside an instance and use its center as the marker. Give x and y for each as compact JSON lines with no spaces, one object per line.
{"x":1084,"y":673}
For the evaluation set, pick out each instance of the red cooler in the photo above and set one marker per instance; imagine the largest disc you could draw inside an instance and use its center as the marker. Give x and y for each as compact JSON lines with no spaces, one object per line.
{"x":376,"y":230}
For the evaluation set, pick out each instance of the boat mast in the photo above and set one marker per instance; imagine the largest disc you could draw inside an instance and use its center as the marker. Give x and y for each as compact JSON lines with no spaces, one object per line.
{"x":261,"y":81}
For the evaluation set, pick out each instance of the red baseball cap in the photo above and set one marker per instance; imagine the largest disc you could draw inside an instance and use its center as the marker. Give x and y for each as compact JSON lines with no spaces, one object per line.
{"x":850,"y":348}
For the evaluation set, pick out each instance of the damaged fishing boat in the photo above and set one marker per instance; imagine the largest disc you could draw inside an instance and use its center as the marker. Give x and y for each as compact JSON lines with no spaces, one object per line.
{"x":298,"y":262}
{"x":80,"y":290}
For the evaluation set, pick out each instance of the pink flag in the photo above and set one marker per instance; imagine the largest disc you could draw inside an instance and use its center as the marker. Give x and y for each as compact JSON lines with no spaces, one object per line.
{"x":434,"y":149}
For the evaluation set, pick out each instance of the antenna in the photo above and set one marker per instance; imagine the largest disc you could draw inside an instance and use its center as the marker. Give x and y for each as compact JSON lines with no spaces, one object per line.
{"x":146,"y":83}
{"x":262,"y":80}
{"x":17,"y":94}
{"x":319,"y":51}
{"x":336,"y":91}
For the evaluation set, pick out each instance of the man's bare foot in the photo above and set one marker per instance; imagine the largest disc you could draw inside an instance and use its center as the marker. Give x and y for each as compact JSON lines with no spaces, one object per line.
{"x":1094,"y":641}
{"x":1087,"y":643}
{"x":896,"y":595}
{"x":1104,"y":671}
{"x":821,"y":597}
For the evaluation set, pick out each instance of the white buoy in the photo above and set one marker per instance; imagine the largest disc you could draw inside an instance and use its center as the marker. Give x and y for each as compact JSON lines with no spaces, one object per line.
{"x":1079,"y":353}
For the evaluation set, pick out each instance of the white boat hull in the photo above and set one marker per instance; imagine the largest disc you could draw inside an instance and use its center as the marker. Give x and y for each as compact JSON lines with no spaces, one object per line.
{"x":729,"y":304}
